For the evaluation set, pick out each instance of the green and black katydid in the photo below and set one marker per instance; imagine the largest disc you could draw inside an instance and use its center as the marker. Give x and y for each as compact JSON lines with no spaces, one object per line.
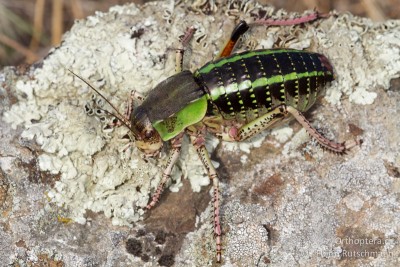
{"x":234,"y":97}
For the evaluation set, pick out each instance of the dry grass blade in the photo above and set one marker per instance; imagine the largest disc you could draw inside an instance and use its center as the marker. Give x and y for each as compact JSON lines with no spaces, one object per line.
{"x":37,"y":29}
{"x":57,"y":22}
{"x":24,"y":21}
{"x":18,"y":47}
{"x":373,"y":10}
{"x":77,"y":10}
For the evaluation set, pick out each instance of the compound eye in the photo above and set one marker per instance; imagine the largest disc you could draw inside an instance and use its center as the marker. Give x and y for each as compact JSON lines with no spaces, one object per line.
{"x":149,"y":134}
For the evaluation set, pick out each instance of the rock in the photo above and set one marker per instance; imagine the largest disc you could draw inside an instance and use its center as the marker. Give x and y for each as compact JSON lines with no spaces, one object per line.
{"x":70,"y":196}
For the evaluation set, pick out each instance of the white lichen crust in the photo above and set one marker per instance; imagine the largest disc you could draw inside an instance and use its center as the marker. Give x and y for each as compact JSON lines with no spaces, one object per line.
{"x":133,"y":48}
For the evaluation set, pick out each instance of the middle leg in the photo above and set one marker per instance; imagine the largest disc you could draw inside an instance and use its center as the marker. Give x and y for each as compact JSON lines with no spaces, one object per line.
{"x":198,"y":141}
{"x":184,"y":42}
{"x":232,"y":131}
{"x":173,"y":157}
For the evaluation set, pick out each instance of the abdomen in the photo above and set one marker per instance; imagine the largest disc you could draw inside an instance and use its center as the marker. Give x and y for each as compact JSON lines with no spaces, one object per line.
{"x":249,"y":84}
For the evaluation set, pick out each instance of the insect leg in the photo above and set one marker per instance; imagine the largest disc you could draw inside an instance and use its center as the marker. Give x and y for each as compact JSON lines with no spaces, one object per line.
{"x":323,"y":141}
{"x":135,"y":96}
{"x":288,"y":22}
{"x":184,"y":41}
{"x":258,"y":125}
{"x":174,"y":155}
{"x":242,"y":27}
{"x":278,"y":114}
{"x":198,"y":142}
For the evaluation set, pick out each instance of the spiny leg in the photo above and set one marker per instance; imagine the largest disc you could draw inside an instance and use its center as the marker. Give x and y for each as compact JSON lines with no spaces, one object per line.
{"x":117,"y":115}
{"x":184,"y":42}
{"x":173,"y":157}
{"x":323,"y":141}
{"x":236,"y":133}
{"x":288,"y":22}
{"x":176,"y":142}
{"x":198,"y":142}
{"x":258,"y":125}
{"x":117,"y":122}
{"x":278,"y":114}
{"x":129,"y":107}
{"x":242,"y":27}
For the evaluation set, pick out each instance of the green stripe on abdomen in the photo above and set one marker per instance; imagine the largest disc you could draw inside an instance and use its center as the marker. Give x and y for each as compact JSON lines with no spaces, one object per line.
{"x":260,"y":80}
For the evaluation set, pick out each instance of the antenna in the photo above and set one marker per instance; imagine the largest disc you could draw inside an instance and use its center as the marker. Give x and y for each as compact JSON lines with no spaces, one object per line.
{"x":120,"y":117}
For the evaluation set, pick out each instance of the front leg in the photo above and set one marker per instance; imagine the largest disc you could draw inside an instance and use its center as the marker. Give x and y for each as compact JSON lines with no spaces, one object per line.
{"x":179,"y":52}
{"x":198,"y":141}
{"x":173,"y":157}
{"x":134,"y":96}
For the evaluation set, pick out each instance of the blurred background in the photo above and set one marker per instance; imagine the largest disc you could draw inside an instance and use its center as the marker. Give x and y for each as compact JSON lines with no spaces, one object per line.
{"x":29,"y":28}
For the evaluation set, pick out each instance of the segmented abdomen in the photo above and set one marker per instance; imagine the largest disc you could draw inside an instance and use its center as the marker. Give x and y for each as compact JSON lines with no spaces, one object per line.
{"x":251,"y":83}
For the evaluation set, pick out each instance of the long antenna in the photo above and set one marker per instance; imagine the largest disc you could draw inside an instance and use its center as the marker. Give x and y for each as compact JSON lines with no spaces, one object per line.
{"x":119,"y":117}
{"x":123,"y":122}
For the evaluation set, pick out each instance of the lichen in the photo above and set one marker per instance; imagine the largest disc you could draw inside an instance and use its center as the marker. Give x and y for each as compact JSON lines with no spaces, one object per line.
{"x":133,"y":48}
{"x":295,"y":204}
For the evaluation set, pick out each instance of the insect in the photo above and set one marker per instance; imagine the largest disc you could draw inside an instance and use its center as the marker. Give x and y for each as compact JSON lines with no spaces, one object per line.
{"x":234,"y":97}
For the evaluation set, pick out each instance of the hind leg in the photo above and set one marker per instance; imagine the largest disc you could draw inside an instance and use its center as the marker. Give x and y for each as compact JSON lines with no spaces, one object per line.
{"x":242,"y":27}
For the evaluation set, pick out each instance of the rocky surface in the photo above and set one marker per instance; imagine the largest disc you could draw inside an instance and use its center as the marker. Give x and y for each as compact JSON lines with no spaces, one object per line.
{"x":69,"y":196}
